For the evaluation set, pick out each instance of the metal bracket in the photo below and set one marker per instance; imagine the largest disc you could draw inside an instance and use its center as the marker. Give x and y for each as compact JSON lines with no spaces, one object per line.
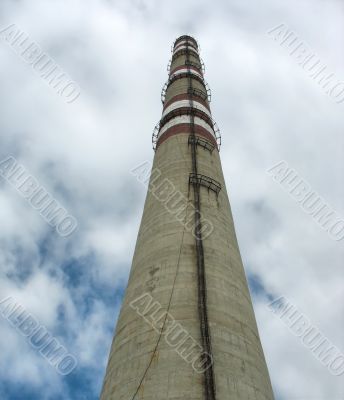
{"x":201,"y":142}
{"x":192,"y":91}
{"x":200,"y":93}
{"x":155,"y":135}
{"x":206,"y":181}
{"x":199,"y":66}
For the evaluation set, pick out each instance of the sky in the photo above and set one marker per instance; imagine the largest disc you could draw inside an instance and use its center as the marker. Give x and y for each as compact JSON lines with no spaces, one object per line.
{"x":268,"y":110}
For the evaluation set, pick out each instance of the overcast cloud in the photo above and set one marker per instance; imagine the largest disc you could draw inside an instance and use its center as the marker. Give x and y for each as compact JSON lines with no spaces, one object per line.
{"x":268,"y":110}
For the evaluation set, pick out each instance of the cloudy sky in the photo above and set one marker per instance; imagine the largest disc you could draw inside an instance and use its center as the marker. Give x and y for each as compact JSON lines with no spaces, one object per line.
{"x":268,"y":110}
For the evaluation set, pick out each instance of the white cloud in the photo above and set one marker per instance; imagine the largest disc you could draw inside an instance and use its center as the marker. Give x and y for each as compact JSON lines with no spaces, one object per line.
{"x":268,"y":110}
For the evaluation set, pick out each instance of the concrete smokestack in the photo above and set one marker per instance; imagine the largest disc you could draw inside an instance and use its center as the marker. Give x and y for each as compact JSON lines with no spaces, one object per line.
{"x":186,"y":329}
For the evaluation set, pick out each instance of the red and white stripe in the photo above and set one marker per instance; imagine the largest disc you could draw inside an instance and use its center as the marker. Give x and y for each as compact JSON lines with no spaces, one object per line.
{"x":185,"y":96}
{"x":185,"y":119}
{"x":185,"y":47}
{"x":184,"y":43}
{"x":185,"y":103}
{"x":186,"y":70}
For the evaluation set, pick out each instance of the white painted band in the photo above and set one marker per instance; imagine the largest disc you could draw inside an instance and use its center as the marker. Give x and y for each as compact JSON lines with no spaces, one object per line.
{"x":185,"y":47}
{"x":185,"y":119}
{"x":183,"y":70}
{"x":185,"y":103}
{"x":184,"y":42}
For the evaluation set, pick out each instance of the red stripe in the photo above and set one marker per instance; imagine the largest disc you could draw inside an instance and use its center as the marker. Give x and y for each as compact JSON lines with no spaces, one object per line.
{"x":186,"y":129}
{"x":185,"y":97}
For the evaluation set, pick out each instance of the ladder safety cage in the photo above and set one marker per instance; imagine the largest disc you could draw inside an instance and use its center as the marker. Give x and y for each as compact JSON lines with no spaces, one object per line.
{"x":203,"y":65}
{"x":169,"y":66}
{"x":199,"y":141}
{"x":206,"y":181}
{"x":217,"y":133}
{"x":155,"y":135}
{"x":207,"y":87}
{"x":163,"y":92}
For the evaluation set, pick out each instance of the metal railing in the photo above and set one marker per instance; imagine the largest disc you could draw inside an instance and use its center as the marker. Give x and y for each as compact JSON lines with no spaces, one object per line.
{"x":199,"y":141}
{"x":206,"y":181}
